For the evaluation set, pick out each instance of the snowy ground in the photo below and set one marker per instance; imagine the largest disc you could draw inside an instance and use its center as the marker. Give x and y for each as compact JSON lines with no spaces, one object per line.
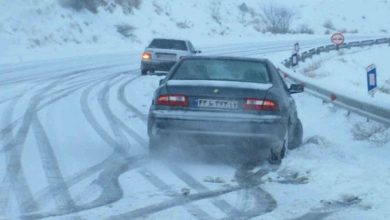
{"x":74,"y":146}
{"x":344,"y":72}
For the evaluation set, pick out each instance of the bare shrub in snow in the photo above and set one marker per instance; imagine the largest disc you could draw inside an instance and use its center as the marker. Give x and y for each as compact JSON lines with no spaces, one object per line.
{"x":278,"y":18}
{"x":249,"y":17}
{"x":129,"y":5}
{"x":243,"y":8}
{"x":125,"y":30}
{"x":93,"y":5}
{"x":373,"y":132}
{"x":305,"y":29}
{"x":317,"y":140}
{"x":216,"y":14}
{"x":157,"y":8}
{"x":184,"y":25}
{"x":309,"y":71}
{"x":385,"y":88}
{"x":354,"y":31}
{"x":329,"y":25}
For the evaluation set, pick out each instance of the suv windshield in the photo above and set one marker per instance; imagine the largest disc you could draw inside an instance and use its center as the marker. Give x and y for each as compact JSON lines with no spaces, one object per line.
{"x":168,"y":44}
{"x":223,"y":69}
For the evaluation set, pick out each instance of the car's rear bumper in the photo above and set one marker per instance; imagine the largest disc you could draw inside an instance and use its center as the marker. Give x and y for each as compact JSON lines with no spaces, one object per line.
{"x":266,"y":129}
{"x":157,"y":65}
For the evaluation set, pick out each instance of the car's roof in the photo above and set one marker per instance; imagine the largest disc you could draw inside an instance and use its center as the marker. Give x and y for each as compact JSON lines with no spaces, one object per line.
{"x":225,"y":58}
{"x":169,"y":39}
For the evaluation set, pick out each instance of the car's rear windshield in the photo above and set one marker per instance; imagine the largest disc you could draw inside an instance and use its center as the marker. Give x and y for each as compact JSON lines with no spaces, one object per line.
{"x":168,"y":44}
{"x":230,"y":70}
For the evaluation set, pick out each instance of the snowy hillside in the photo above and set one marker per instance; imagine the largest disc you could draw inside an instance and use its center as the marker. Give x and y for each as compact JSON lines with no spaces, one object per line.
{"x":48,"y":26}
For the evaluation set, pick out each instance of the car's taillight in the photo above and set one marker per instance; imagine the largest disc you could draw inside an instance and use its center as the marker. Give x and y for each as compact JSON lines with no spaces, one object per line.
{"x":172,"y":100}
{"x":260,"y":104}
{"x":146,"y":56}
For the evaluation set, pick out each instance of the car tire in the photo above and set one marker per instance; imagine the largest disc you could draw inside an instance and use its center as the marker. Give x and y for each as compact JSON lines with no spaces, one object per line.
{"x":296,"y":139}
{"x":144,"y":72}
{"x":275,"y":158}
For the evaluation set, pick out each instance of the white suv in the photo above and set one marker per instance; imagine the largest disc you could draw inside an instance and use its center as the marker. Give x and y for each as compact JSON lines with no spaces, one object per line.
{"x":162,"y":54}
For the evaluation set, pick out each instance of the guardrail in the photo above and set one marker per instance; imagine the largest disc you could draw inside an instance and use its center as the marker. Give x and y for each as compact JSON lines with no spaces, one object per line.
{"x":368,"y":110}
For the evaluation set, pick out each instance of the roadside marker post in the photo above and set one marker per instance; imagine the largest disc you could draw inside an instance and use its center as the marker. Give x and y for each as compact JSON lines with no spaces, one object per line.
{"x":371,"y":79}
{"x":294,"y":56}
{"x":294,"y":60}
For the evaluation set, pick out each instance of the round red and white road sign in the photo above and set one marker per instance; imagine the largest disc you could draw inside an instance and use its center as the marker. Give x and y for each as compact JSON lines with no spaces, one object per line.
{"x":337,"y":38}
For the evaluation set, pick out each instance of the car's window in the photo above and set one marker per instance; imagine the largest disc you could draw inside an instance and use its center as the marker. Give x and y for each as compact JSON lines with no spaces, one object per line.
{"x":223,"y":69}
{"x":279,"y":77}
{"x":192,"y":49}
{"x":168,"y":44}
{"x":284,"y":84}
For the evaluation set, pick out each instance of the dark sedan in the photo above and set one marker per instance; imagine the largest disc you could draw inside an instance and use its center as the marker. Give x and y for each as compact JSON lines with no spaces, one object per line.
{"x":225,"y":100}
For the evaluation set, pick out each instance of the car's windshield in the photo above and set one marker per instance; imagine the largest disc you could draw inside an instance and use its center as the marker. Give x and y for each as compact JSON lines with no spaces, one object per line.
{"x":168,"y":44}
{"x":222,"y":69}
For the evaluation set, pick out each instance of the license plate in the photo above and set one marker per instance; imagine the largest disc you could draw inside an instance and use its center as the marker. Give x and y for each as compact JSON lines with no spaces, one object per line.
{"x":212,"y":103}
{"x":166,"y":57}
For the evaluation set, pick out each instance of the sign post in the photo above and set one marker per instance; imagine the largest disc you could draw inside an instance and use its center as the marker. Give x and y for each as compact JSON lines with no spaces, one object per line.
{"x":337,"y":39}
{"x":294,"y":56}
{"x":371,"y":79}
{"x":296,"y":47}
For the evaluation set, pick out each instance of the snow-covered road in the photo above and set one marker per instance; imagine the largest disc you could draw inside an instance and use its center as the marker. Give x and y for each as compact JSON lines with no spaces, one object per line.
{"x":74,"y":146}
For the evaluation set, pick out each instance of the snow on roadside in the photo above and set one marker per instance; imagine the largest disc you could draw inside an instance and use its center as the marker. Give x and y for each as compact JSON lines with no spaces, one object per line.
{"x":335,"y":167}
{"x":344,"y":72}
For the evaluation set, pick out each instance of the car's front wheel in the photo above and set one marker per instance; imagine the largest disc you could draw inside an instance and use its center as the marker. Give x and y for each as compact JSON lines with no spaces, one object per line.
{"x":144,"y":71}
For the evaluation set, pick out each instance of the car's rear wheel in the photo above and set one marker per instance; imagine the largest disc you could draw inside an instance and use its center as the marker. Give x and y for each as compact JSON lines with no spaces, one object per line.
{"x":275,"y":157}
{"x":296,"y":139}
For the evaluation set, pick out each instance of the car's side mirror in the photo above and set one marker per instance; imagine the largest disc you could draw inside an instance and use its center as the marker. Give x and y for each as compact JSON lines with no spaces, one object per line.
{"x":161,"y":82}
{"x":296,"y":88}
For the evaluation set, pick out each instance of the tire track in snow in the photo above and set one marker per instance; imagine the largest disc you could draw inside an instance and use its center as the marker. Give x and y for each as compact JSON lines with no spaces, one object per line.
{"x":162,"y":186}
{"x":175,"y":202}
{"x":6,"y":187}
{"x":112,"y":167}
{"x":114,"y":123}
{"x":122,"y":98}
{"x":62,"y":197}
{"x":107,"y":178}
{"x":15,"y":176}
{"x":60,"y":95}
{"x":4,"y":131}
{"x":190,"y":181}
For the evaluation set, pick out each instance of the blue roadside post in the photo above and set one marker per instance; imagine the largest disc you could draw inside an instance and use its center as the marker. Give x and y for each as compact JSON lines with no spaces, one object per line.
{"x":294,"y":56}
{"x":371,"y":79}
